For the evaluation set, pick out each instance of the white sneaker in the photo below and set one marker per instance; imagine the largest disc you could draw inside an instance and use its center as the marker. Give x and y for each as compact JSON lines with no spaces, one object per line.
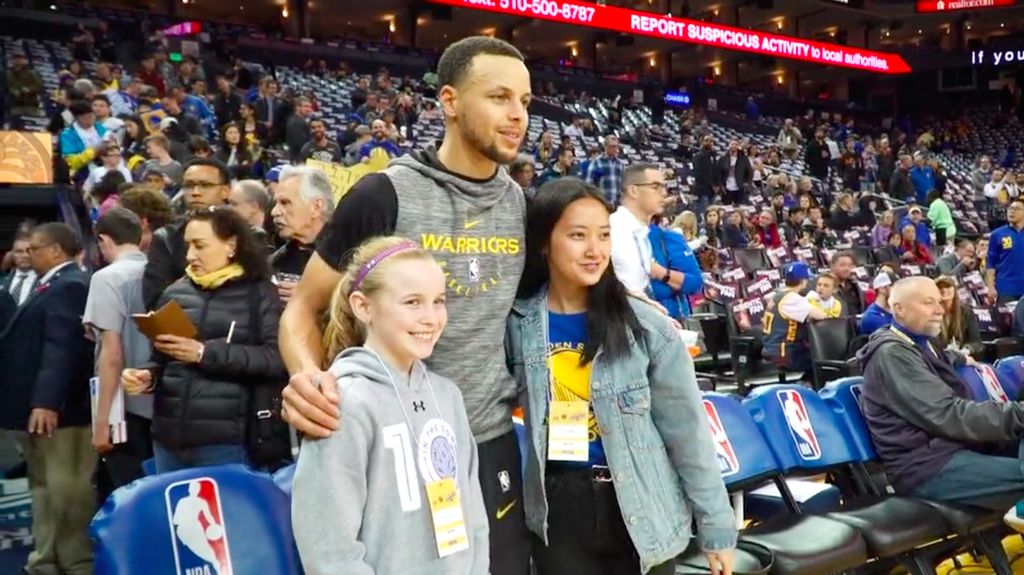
{"x":1015,"y":517}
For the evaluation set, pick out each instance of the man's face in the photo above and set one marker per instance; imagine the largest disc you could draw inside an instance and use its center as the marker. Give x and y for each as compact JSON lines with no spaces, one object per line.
{"x":272,"y":89}
{"x":304,"y":108}
{"x":567,"y":158}
{"x":611,"y":146}
{"x":112,"y":157}
{"x":921,"y":312}
{"x":1015,"y":213}
{"x":986,"y":164}
{"x":243,"y":206}
{"x":966,"y":251}
{"x":371,"y":101}
{"x":86,"y":121}
{"x":915,"y":216}
{"x":293,"y":216}
{"x":734,"y":147}
{"x":778,"y":200}
{"x":379,"y":129}
{"x":651,"y":192}
{"x":43,"y":253}
{"x":103,"y":71}
{"x":22,"y":261}
{"x":842,"y":267}
{"x":489,"y":106}
{"x":203,"y":188}
{"x":222,"y":84}
{"x":318,"y":131}
{"x":100,"y":109}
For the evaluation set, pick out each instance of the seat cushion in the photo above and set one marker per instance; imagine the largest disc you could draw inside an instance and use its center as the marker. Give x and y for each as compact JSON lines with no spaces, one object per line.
{"x":965,"y":520}
{"x":892,"y":525}
{"x":809,"y":544}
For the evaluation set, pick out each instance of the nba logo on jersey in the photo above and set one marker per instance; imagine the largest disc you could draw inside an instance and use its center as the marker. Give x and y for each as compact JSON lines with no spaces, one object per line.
{"x":728,"y":463}
{"x":198,"y":532}
{"x":799,"y":422}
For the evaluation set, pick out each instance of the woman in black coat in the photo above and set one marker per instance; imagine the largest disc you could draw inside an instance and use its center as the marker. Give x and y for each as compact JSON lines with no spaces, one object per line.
{"x":202,"y":386}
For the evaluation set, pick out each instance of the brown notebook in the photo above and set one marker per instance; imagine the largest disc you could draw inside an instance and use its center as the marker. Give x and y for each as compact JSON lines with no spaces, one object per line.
{"x":168,"y":320}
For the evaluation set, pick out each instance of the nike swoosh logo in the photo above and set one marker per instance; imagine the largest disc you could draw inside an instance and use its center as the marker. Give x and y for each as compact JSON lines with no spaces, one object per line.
{"x":504,"y":510}
{"x":470,"y":225}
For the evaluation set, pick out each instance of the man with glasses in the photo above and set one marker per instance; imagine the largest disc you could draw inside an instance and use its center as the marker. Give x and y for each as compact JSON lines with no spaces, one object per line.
{"x":111,"y":158}
{"x":605,"y":171}
{"x":205,"y":184}
{"x":45,"y":364}
{"x":643,"y":195}
{"x":1004,"y":270}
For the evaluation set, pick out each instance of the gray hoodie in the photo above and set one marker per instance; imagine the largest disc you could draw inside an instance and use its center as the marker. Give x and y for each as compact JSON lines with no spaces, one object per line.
{"x":359,"y":504}
{"x":476,"y":230}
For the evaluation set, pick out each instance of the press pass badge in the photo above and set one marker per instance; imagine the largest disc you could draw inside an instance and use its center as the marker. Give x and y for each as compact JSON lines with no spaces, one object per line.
{"x":446,"y":512}
{"x":568,"y":432}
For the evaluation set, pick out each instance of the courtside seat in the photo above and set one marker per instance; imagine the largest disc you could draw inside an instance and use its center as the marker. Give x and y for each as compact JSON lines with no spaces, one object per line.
{"x":225,"y":519}
{"x":801,"y":544}
{"x":802,"y":431}
{"x":979,"y":527}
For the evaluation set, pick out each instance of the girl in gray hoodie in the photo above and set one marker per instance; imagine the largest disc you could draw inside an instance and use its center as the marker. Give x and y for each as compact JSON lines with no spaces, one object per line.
{"x":395,"y":489}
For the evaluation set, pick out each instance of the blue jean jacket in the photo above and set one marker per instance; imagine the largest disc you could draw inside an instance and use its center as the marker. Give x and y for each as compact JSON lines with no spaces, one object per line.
{"x":653,"y":426}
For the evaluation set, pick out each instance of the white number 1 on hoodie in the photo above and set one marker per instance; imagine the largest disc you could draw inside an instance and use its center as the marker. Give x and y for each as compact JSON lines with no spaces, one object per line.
{"x":396,"y":438}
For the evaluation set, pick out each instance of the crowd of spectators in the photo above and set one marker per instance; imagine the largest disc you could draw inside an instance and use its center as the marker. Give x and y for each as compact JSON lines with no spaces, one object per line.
{"x":201,"y":200}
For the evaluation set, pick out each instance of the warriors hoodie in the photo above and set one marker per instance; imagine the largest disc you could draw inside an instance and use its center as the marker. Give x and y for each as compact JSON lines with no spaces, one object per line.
{"x":359,"y":503}
{"x":476,"y":230}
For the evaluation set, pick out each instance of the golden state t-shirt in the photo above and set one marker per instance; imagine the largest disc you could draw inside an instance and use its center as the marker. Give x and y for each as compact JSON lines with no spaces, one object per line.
{"x":567,"y":334}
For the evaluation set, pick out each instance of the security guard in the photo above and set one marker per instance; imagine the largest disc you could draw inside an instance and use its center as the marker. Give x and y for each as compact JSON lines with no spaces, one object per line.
{"x":786,"y":342}
{"x":1004,"y":271}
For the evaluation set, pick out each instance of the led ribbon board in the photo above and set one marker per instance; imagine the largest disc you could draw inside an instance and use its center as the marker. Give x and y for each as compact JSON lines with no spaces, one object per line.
{"x":693,"y":32}
{"x":928,"y":6}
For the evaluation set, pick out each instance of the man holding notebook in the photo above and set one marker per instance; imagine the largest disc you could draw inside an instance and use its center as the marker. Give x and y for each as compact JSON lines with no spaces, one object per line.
{"x":115,"y":293}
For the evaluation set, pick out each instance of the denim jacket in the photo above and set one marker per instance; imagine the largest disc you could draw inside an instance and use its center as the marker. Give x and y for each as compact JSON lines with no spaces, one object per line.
{"x":653,"y":426}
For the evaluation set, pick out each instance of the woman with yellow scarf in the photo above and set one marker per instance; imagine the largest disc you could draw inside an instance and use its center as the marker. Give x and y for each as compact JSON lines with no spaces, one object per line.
{"x":204,"y":385}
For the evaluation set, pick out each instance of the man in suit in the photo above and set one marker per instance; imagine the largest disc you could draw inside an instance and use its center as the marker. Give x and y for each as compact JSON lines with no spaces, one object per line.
{"x":45,"y":366}
{"x":20,"y":281}
{"x":736,"y":174}
{"x":705,"y":176}
{"x":270,"y":110}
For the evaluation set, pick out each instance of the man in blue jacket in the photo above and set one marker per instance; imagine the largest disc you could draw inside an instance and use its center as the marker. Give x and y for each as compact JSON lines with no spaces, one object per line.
{"x":45,"y":363}
{"x":923,"y":178}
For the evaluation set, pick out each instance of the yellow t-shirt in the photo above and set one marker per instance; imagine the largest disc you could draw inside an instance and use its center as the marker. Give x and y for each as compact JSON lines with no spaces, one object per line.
{"x":832,"y":309}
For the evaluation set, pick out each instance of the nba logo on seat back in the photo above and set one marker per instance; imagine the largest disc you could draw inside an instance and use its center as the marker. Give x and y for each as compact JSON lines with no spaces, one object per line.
{"x":799,"y":422}
{"x":198,"y":531}
{"x":728,"y":463}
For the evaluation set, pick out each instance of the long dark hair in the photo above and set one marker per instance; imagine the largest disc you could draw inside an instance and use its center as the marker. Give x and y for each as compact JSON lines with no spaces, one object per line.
{"x":609,"y":316}
{"x":249,"y":253}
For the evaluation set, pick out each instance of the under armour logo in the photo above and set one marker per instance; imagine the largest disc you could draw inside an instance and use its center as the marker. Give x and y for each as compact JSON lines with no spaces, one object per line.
{"x":419,"y":406}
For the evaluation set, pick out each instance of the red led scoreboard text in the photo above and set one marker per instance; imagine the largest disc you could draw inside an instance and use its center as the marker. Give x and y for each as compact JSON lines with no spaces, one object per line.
{"x":693,"y":31}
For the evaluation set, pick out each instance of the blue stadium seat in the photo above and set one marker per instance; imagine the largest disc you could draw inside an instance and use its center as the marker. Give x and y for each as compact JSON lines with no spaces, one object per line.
{"x":802,"y":544}
{"x":1011,"y":374}
{"x":843,"y":397}
{"x":805,"y":434}
{"x":983,"y":384}
{"x":203,"y":521}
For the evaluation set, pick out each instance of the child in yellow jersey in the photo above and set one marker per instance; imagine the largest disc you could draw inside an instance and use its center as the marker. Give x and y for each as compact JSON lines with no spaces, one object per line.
{"x":823,"y":296}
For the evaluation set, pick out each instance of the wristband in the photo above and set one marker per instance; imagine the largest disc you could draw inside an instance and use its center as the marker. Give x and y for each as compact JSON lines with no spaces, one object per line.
{"x":202,"y":348}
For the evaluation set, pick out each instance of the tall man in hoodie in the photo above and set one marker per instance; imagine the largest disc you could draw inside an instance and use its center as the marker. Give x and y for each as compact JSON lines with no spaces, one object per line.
{"x":459,"y":204}
{"x":928,"y":432}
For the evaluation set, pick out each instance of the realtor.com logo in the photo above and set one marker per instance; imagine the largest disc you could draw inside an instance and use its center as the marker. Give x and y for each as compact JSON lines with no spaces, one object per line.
{"x":997,"y":57}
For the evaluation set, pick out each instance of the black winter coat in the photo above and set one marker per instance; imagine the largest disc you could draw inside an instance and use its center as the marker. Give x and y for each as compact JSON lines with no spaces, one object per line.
{"x":208,"y":403}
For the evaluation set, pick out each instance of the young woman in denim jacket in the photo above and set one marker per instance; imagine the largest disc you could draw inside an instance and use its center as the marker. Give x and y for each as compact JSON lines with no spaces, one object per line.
{"x":646,"y":464}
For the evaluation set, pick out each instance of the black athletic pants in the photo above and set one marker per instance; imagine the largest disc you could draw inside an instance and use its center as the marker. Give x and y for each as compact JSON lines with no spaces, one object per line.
{"x":502,"y":485}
